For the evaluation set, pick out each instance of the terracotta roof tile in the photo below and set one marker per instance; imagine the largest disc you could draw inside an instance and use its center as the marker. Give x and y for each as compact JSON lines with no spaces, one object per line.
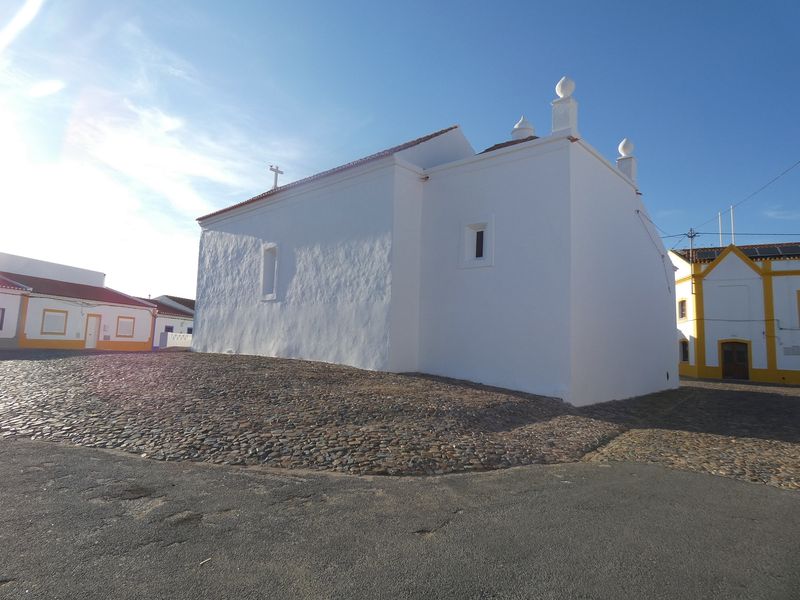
{"x":339,"y":169}
{"x":510,"y":143}
{"x":7,"y":283}
{"x":66,"y":289}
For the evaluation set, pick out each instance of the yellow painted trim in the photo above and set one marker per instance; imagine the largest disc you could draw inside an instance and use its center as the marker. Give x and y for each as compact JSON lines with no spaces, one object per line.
{"x":730,"y":250}
{"x":86,"y":327}
{"x":699,"y":324}
{"x":145,"y":346}
{"x":791,"y":273}
{"x":54,"y":344}
{"x":683,"y":279}
{"x":687,"y":370}
{"x":54,"y":310}
{"x":769,"y":319}
{"x":133,"y":327}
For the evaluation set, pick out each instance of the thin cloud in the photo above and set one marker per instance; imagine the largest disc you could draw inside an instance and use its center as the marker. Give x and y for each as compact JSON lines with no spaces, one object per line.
{"x":24,"y":17}
{"x":782,"y":215}
{"x":46,"y":88}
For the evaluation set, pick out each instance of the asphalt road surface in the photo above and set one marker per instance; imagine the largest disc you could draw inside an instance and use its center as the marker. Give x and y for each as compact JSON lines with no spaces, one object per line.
{"x":84,"y":523}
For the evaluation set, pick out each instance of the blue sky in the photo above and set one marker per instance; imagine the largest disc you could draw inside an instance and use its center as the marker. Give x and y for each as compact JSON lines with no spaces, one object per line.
{"x":120,"y":123}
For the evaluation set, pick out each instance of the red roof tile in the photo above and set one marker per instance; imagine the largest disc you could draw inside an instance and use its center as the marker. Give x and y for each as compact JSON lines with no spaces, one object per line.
{"x":66,"y":289}
{"x":7,"y":283}
{"x":510,"y":143}
{"x":339,"y":169}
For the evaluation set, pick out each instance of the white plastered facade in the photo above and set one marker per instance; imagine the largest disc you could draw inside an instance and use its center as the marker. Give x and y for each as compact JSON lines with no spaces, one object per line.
{"x":573,"y":297}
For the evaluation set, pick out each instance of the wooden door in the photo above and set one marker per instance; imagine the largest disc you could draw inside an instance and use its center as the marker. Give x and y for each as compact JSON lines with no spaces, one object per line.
{"x":734,"y":361}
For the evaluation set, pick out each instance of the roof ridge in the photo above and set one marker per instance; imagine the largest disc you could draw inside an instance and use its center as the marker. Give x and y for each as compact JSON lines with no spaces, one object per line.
{"x":343,"y":167}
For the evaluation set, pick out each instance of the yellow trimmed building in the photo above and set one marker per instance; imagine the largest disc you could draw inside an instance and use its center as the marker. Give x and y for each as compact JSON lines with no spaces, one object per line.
{"x":738,"y":312}
{"x":47,"y":305}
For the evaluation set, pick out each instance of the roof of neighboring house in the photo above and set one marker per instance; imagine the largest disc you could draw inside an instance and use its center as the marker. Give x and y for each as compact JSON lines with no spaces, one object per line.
{"x":168,"y":310}
{"x":7,"y":283}
{"x":66,"y":289}
{"x":187,"y":302}
{"x":510,"y":143}
{"x":339,"y":169}
{"x":784,"y":250}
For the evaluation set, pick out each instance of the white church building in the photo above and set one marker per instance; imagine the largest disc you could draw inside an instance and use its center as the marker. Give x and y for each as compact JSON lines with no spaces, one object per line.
{"x":531,"y":265}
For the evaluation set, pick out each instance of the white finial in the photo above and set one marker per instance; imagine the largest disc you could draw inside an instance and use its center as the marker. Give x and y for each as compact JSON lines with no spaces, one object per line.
{"x":625,"y":148}
{"x":523,"y":129}
{"x":565,"y":87}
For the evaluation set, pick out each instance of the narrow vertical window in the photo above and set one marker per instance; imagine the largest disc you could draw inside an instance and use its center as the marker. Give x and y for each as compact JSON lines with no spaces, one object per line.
{"x":269,"y":267}
{"x":684,"y":351}
{"x":682,"y":309}
{"x":479,"y":243}
{"x":2,"y":317}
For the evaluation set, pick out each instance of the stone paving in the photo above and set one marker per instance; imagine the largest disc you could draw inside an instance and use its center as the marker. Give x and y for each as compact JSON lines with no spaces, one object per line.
{"x":295,"y":414}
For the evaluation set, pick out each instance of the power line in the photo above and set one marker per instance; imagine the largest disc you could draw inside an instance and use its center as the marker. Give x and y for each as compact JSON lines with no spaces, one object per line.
{"x":758,"y":191}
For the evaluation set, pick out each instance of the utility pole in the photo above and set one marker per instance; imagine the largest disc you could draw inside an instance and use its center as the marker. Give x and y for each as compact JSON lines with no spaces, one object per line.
{"x":691,"y":235}
{"x":733,"y":229}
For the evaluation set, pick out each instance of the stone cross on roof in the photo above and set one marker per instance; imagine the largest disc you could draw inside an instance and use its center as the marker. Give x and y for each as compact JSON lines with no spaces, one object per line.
{"x":277,"y":170}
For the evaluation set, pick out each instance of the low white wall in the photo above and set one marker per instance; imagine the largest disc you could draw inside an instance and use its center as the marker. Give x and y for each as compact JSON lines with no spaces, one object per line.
{"x":9,"y":302}
{"x":175,"y":340}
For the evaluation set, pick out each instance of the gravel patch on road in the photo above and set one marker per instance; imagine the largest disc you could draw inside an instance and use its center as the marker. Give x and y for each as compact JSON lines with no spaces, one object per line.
{"x":287,"y":413}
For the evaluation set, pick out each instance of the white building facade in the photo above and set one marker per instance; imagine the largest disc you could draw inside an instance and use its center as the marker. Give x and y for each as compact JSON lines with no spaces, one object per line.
{"x":54,"y":306}
{"x":738,"y":312}
{"x":531,"y":266}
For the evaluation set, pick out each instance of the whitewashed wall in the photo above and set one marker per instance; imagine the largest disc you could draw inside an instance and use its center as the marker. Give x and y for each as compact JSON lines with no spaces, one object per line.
{"x":683,"y":291}
{"x":505,"y":324}
{"x":334,"y":240}
{"x":623,"y":337}
{"x":733,"y":300}
{"x":784,"y":291}
{"x":10,"y":302}
{"x":76,"y":320}
{"x":179,"y":326}
{"x":42,"y":268}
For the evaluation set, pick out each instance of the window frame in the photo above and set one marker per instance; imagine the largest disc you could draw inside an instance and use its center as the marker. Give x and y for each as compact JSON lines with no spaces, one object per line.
{"x":133,"y":326}
{"x":681,"y":345}
{"x":685,"y":304}
{"x":44,"y":317}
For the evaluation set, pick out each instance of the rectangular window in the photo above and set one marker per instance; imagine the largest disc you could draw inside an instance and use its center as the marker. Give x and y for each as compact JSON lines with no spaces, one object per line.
{"x":189,"y":330}
{"x":125,"y":326}
{"x":479,"y":243}
{"x":682,"y":309}
{"x":2,"y":317}
{"x":54,"y":322}
{"x":684,"y":351}
{"x":269,"y":270}
{"x":168,"y":329}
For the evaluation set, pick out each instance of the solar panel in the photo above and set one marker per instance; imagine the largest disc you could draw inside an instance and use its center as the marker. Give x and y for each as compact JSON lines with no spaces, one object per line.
{"x":768,"y":251}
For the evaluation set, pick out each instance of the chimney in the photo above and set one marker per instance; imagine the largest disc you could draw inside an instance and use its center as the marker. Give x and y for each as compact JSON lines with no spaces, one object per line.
{"x":523,"y":129}
{"x":565,"y":109}
{"x":626,"y":162}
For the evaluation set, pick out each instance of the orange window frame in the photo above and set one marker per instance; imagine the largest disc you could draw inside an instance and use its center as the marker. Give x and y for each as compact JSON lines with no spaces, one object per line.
{"x":133,"y":327}
{"x":54,"y":311}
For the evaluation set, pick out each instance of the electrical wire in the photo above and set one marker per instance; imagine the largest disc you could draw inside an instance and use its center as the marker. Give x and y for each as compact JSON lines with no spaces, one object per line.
{"x":758,"y":191}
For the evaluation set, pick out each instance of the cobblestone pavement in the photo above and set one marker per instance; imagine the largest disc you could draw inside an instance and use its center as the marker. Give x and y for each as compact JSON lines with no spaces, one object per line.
{"x":297,"y":414}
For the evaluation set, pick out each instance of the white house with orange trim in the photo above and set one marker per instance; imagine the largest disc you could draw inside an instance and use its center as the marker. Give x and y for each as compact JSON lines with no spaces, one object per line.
{"x":531,"y":265}
{"x":738,"y":312}
{"x":48,"y":305}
